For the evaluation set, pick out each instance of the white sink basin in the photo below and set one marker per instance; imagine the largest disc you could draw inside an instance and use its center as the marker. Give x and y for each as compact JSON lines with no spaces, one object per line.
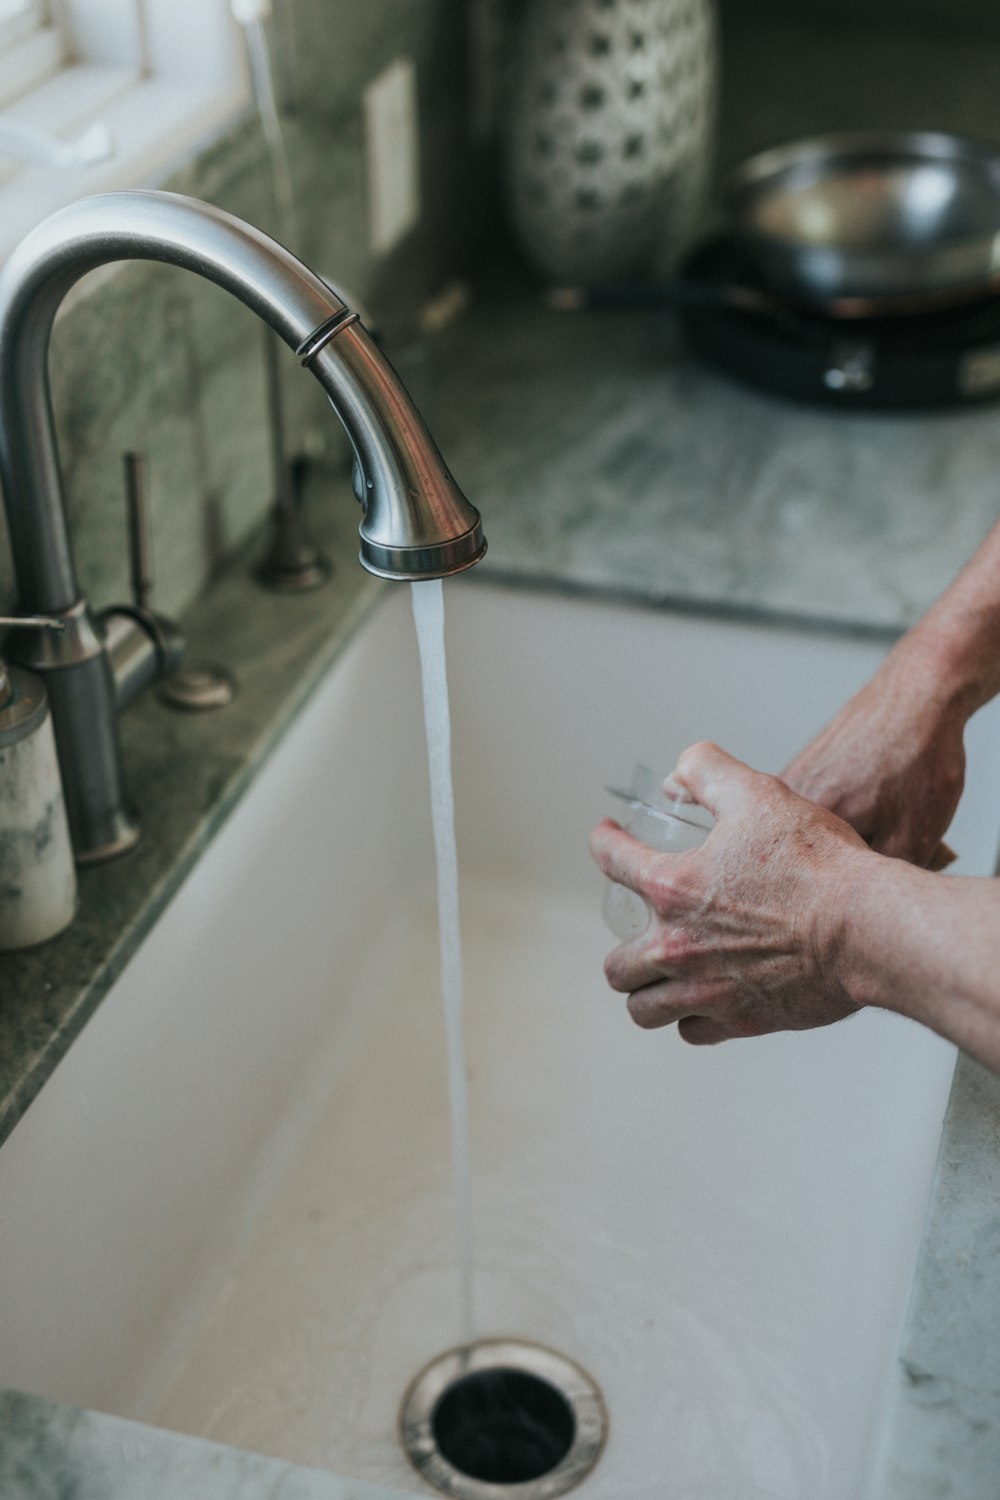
{"x":230,"y":1210}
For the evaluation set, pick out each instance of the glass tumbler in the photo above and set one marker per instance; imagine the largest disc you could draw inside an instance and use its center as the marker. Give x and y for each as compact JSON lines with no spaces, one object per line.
{"x":667,"y":824}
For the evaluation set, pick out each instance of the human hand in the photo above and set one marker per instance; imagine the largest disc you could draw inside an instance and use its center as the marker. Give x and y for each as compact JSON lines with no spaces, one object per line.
{"x":747,"y":931}
{"x":891,"y":763}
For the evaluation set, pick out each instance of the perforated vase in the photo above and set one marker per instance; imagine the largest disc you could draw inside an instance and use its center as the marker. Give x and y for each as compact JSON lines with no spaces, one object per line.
{"x":609,"y":130}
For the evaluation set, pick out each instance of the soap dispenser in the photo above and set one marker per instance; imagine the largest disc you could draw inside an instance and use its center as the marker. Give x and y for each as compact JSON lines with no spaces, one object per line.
{"x":38,"y":895}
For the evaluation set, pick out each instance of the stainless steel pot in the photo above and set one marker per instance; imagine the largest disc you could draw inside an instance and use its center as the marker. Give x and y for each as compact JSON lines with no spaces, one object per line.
{"x":866,"y":225}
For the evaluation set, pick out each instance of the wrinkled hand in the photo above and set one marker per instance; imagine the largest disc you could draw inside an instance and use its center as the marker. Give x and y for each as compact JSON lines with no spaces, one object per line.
{"x":746,"y":931}
{"x":892,"y":764}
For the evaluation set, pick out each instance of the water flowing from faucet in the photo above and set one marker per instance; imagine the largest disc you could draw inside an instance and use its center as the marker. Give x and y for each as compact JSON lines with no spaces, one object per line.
{"x":428,"y":615}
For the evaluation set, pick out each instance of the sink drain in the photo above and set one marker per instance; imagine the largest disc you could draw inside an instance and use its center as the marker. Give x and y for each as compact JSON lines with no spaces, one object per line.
{"x":503,"y":1419}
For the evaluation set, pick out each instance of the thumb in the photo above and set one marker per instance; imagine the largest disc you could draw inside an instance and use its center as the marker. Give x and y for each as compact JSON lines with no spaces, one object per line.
{"x":716,"y":780}
{"x":942,"y":857}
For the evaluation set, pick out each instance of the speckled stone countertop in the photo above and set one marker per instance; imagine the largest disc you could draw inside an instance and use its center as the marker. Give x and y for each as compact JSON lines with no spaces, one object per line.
{"x":49,"y":1450}
{"x":605,"y":459}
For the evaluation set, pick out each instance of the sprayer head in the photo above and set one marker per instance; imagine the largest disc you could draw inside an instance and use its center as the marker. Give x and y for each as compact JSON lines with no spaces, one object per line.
{"x":417,"y":523}
{"x":413,"y":533}
{"x":438,"y":561}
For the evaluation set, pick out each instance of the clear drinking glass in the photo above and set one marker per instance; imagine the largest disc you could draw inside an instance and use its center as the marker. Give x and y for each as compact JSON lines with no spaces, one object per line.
{"x":667,"y":824}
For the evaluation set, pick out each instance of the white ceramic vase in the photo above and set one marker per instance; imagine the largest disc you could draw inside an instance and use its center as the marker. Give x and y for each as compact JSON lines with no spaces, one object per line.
{"x":609,"y":132}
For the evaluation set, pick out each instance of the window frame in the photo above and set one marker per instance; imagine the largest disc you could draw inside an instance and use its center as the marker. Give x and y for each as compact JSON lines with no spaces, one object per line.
{"x":163,"y":76}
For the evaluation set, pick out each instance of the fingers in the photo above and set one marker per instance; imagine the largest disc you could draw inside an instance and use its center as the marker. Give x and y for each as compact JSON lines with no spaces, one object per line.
{"x":673,"y":788}
{"x":704,"y":774}
{"x":690,"y":1007}
{"x":657,"y":956}
{"x":942,"y":857}
{"x":619,"y":855}
{"x":700,"y":1031}
{"x":798,"y":772}
{"x":717,"y":780}
{"x":668,"y":1001}
{"x":917,"y":846}
{"x":661,"y":1004}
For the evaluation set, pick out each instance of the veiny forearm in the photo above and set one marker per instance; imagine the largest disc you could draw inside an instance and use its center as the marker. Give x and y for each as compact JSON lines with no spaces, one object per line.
{"x":928,"y":947}
{"x":892,"y":761}
{"x":955,"y":647}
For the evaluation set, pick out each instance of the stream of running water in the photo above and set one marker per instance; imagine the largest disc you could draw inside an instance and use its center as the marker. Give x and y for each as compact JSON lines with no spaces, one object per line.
{"x":428,"y":615}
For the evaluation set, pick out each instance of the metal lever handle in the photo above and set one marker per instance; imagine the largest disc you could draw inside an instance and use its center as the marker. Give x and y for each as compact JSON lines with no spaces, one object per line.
{"x":192,"y":688}
{"x":140,"y":549}
{"x":141,"y":645}
{"x":33,"y":622}
{"x":27,"y":622}
{"x":130,"y":632}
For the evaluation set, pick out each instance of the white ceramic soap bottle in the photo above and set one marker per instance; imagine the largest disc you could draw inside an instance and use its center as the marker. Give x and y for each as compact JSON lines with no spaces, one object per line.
{"x":38,"y":893}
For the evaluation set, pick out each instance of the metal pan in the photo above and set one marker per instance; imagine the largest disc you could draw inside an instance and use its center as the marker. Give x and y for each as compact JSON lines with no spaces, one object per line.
{"x":874,"y":224}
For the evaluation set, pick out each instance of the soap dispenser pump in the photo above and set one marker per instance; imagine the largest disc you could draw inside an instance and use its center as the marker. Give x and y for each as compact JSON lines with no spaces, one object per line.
{"x":38,"y":895}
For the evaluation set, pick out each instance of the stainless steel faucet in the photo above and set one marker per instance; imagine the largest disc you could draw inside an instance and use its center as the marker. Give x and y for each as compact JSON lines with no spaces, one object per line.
{"x":416,"y":521}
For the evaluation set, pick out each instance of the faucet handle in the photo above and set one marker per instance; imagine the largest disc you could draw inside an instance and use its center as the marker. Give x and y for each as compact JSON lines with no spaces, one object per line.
{"x":140,"y":545}
{"x":141,"y":645}
{"x":33,"y":622}
{"x":194,"y":687}
{"x":25,"y":622}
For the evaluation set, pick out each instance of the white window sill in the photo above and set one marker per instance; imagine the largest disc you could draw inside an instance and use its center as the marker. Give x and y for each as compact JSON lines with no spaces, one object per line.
{"x":155,"y":124}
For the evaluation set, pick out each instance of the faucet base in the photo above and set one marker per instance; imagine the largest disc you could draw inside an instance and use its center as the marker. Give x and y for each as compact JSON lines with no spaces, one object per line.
{"x":198,"y":688}
{"x":309,"y":570}
{"x":122,"y":835}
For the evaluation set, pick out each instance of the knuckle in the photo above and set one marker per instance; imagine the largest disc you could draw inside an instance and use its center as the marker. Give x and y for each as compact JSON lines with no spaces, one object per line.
{"x":644,"y":1012}
{"x":665,"y":887}
{"x":744,"y":1026}
{"x":612,"y":972}
{"x":694,"y":754}
{"x":672,"y":948}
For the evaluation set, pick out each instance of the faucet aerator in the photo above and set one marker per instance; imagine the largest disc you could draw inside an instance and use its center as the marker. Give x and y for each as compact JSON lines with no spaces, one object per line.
{"x":435,"y":560}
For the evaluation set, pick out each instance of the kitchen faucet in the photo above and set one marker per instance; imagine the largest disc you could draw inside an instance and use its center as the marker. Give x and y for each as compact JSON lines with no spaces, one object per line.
{"x":416,"y":522}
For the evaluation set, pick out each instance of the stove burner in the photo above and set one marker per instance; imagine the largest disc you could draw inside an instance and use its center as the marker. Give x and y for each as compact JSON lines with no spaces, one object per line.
{"x":949,"y":357}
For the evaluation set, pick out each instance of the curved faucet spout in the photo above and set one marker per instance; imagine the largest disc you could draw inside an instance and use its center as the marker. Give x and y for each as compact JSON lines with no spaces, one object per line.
{"x":416,"y":522}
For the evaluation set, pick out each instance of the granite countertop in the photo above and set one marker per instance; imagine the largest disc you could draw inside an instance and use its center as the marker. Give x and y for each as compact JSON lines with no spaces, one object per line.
{"x":48,"y":1449}
{"x":604,"y":459}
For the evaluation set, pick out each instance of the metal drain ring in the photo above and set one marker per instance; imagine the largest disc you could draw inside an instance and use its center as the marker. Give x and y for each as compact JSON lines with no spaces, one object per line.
{"x":568,"y":1379}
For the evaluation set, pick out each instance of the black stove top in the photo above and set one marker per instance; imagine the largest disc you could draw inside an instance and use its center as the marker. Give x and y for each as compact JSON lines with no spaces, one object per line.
{"x":948,"y":357}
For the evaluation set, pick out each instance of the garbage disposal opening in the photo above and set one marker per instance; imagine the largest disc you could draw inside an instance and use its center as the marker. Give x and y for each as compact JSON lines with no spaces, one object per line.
{"x":503,"y":1413}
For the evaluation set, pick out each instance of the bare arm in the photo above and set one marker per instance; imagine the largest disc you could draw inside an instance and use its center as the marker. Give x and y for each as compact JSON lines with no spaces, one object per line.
{"x":892,"y":762}
{"x":786,"y":920}
{"x":928,"y":946}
